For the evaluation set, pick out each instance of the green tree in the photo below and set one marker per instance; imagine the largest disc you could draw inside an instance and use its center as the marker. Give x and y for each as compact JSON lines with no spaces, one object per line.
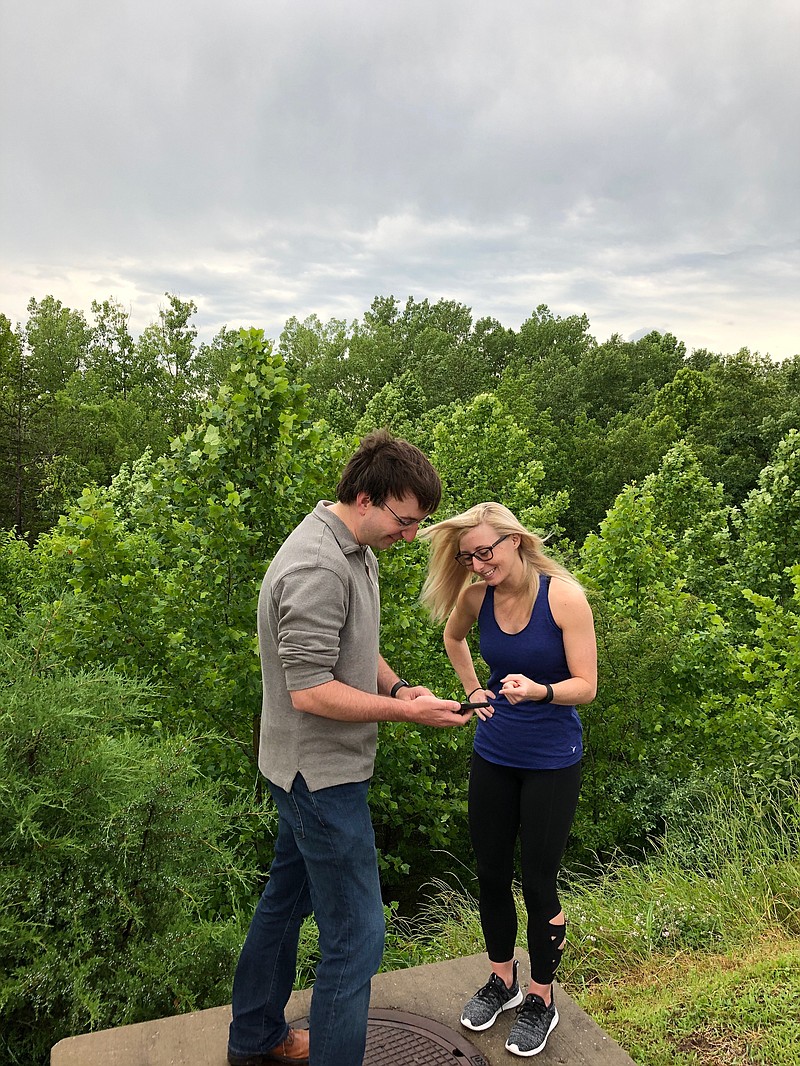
{"x":481,"y":454}
{"x":163,"y":574}
{"x":452,"y":359}
{"x":115,"y":855}
{"x":758,"y":719}
{"x":110,"y":360}
{"x":662,"y":650}
{"x":315,"y":352}
{"x":732,"y":412}
{"x":769,"y":526}
{"x":545,"y":336}
{"x":214,"y":360}
{"x":542,"y":371}
{"x":694,"y":523}
{"x":36,"y":362}
{"x":414,"y":824}
{"x":435,"y":345}
{"x":168,"y":346}
{"x":16,"y":398}
{"x":618,"y":375}
{"x":777,"y":423}
{"x":74,"y":405}
{"x":57,"y":340}
{"x":593,"y":463}
{"x":398,"y":406}
{"x":495,"y":346}
{"x":18,"y":582}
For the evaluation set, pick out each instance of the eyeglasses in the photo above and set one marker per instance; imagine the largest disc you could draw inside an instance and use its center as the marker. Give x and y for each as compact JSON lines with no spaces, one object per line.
{"x":484,"y":555}
{"x":404,"y":523}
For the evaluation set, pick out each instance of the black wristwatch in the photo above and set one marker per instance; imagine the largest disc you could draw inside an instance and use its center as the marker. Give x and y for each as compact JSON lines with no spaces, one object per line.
{"x":397,"y":686}
{"x":548,"y":693}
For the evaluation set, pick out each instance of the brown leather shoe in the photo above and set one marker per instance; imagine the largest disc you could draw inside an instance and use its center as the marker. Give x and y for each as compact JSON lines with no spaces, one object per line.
{"x":294,"y":1048}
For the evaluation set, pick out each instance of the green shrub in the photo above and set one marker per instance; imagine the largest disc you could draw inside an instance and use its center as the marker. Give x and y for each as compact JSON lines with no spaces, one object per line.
{"x":112,"y":851}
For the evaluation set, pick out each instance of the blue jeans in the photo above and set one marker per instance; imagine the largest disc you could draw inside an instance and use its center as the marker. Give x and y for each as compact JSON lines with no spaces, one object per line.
{"x":325,"y":862}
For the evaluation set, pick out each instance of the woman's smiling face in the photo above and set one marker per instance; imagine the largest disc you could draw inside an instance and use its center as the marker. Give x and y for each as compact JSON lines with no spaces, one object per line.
{"x":505,"y":558}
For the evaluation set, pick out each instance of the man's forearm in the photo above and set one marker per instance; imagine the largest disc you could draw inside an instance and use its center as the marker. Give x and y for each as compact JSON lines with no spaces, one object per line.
{"x":348,"y":704}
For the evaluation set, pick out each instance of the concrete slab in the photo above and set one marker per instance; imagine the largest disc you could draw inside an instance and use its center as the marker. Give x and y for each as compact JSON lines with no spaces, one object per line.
{"x":436,"y":991}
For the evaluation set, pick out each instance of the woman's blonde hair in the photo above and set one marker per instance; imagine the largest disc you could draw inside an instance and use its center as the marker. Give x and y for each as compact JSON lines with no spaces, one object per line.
{"x":446,"y":577}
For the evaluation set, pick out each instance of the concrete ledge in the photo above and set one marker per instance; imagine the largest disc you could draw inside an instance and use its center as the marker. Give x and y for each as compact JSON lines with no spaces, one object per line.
{"x":436,"y":991}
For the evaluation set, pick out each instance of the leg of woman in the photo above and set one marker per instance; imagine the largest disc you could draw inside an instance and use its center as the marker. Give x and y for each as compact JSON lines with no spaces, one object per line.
{"x":549,"y":801}
{"x":494,"y":814}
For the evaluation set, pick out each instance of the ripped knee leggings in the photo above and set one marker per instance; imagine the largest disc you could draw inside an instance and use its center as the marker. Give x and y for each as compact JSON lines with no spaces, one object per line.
{"x":537,"y":806}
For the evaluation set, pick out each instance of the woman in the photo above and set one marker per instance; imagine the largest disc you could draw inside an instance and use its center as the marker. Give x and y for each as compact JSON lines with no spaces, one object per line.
{"x":537,"y":638}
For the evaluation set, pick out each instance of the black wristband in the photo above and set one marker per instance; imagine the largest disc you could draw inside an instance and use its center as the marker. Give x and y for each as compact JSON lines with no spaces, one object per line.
{"x":397,"y":686}
{"x":471,"y":694}
{"x":548,"y":695}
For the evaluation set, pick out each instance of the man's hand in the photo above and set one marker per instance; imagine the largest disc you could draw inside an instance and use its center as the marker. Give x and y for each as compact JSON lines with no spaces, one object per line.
{"x":428,"y":709}
{"x":412,"y":692}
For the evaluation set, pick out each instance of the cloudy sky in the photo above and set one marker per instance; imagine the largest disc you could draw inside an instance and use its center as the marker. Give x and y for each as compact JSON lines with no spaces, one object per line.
{"x":634,"y":160}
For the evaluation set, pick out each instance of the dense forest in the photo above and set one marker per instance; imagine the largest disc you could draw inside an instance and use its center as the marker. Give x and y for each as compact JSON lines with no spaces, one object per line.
{"x":146,"y":483}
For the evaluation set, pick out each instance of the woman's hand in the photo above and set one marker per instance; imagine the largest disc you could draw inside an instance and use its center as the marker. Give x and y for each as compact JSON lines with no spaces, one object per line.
{"x":518,"y":687}
{"x":477,"y":696}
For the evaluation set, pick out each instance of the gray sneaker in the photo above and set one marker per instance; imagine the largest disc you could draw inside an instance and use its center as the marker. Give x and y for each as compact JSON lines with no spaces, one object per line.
{"x":533,"y":1024}
{"x":488,"y":1001}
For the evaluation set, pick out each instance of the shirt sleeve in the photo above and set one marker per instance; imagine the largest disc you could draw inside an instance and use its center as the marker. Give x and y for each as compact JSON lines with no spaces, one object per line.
{"x":311,"y":607}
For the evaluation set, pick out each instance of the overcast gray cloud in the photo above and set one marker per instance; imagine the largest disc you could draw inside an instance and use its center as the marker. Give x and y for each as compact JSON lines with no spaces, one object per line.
{"x":638,"y":162}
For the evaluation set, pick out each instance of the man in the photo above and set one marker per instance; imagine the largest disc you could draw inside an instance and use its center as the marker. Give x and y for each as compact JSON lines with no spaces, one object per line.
{"x":325,"y":688}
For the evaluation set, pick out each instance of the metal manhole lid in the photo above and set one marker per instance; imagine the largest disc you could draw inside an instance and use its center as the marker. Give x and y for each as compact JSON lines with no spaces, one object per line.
{"x":397,"y":1038}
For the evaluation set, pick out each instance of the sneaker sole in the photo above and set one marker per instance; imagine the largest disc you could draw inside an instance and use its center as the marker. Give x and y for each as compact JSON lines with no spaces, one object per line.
{"x":513,"y":1002}
{"x":514,"y":1048}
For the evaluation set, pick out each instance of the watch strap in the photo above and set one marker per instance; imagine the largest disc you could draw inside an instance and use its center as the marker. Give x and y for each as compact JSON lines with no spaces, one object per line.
{"x":548,"y":695}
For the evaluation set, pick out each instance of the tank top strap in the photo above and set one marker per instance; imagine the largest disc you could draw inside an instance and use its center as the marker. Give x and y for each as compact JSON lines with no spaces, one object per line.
{"x":542,"y":596}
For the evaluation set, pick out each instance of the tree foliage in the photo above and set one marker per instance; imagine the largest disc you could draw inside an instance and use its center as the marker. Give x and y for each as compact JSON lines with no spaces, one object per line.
{"x":114,"y":846}
{"x":146,"y":483}
{"x":78,"y":399}
{"x":163,"y":568}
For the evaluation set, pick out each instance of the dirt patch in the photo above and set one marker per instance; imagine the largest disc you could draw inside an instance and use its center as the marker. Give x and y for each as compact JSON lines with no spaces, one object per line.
{"x":715,"y":1048}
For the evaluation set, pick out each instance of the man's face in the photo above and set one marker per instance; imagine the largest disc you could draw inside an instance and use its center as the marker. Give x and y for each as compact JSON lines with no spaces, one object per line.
{"x":395,"y":519}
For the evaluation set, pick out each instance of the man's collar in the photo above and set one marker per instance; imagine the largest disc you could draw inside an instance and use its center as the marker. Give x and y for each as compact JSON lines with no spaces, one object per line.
{"x":344,"y":535}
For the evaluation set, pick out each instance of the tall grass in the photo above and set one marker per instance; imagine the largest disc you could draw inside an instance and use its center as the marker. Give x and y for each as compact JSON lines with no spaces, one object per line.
{"x":725,"y":876}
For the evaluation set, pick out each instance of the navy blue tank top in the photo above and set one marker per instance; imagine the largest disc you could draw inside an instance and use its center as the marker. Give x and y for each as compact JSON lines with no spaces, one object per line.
{"x":534,"y":736}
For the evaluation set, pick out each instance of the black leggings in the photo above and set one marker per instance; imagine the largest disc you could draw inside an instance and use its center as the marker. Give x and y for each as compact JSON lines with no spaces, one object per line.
{"x":538,"y":806}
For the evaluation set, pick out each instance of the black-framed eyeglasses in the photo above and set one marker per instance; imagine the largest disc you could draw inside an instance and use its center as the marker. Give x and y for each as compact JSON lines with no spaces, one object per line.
{"x":484,"y":555}
{"x":404,"y":523}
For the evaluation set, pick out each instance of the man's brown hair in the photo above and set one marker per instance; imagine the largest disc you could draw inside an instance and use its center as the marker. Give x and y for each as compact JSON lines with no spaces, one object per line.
{"x":383,"y":466}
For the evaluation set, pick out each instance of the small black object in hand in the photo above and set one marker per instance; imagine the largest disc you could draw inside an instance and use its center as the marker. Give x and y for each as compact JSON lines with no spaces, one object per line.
{"x":469,"y":706}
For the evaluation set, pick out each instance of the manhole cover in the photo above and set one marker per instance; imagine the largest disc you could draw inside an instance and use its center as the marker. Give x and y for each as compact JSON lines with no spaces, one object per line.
{"x":397,"y":1038}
